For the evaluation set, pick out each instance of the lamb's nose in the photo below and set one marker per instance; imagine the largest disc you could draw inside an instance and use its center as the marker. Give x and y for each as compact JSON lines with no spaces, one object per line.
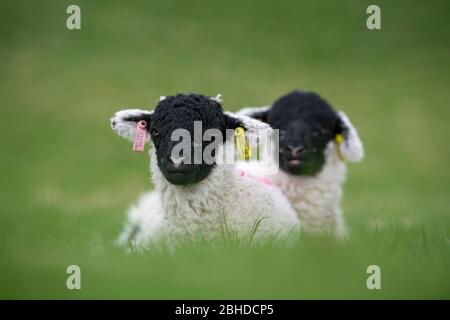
{"x":176,"y":161}
{"x":295,"y":150}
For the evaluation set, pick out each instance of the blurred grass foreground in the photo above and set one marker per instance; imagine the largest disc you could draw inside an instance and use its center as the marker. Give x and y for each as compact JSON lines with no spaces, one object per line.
{"x":67,"y":181}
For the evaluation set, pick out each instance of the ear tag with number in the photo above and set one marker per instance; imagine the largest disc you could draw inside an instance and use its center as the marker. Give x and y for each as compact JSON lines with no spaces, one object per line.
{"x":140,"y":136}
{"x":241,"y":141}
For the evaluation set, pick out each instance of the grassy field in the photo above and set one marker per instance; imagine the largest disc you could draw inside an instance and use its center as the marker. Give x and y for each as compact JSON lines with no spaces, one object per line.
{"x":67,"y":180}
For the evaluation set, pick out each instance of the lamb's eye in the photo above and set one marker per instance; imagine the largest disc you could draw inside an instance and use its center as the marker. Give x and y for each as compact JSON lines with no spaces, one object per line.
{"x":154,"y":132}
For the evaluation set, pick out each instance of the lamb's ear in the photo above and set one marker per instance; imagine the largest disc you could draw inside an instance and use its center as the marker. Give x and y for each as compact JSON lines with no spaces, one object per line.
{"x":249,"y":124}
{"x":124,"y":122}
{"x":258,"y":113}
{"x":351,"y":147}
{"x":253,"y":128}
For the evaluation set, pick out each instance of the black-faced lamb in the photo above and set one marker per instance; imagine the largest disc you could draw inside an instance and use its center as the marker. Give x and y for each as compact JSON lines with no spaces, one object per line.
{"x":191,"y":198}
{"x":314,"y":144}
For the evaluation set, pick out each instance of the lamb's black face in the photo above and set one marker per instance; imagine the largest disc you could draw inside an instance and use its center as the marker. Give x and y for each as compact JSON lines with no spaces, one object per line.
{"x":306,"y":124}
{"x":180,"y":112}
{"x":302,"y":148}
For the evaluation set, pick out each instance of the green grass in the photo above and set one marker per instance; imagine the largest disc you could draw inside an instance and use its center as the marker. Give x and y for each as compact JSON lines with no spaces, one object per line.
{"x":67,"y":180}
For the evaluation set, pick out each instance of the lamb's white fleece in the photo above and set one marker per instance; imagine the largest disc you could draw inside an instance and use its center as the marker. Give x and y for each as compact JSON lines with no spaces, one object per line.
{"x":316,"y":199}
{"x":225,"y":195}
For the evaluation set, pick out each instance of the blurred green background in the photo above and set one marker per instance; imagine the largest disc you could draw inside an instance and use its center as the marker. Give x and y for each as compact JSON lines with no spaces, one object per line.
{"x":67,"y":180}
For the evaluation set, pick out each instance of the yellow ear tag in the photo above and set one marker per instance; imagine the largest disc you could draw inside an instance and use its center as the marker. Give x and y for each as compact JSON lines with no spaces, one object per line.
{"x":241,"y":141}
{"x":339,"y":139}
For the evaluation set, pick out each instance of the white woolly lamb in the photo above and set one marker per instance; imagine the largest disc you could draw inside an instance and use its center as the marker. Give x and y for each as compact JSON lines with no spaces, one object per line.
{"x":315,"y":142}
{"x":198,"y":198}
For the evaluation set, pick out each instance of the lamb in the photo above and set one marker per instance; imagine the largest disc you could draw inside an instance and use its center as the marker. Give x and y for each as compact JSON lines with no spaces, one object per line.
{"x":197,"y":198}
{"x":314,"y":144}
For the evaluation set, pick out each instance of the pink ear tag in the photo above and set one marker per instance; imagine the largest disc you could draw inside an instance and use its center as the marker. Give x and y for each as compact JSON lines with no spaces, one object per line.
{"x":139,"y":136}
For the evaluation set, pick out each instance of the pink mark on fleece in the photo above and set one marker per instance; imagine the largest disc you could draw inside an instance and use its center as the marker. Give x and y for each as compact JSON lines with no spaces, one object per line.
{"x":139,"y":136}
{"x":261,"y":180}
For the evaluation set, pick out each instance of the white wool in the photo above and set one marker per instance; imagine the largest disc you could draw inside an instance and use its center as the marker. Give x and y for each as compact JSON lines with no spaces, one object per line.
{"x":316,"y":199}
{"x":176,"y":211}
{"x":139,"y":220}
